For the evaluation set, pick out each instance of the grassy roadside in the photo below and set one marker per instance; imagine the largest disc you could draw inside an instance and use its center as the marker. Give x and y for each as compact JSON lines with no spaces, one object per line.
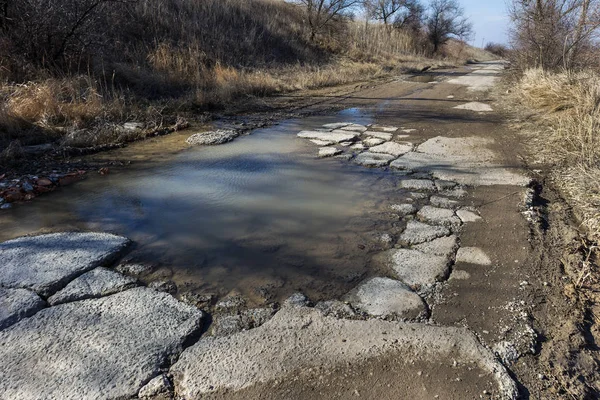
{"x":177,"y":59}
{"x":563,"y":127}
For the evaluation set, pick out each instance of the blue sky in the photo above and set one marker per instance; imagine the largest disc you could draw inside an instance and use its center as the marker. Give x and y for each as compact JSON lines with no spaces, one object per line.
{"x":490,"y":20}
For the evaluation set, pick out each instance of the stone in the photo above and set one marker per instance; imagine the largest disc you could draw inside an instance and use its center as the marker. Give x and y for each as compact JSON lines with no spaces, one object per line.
{"x":197,"y":299}
{"x":444,"y":185}
{"x":444,"y":202}
{"x":372,"y":141}
{"x":458,"y":193}
{"x":219,"y":136}
{"x":444,"y":246}
{"x":460,"y":275}
{"x":472,"y":255}
{"x":298,"y":339}
{"x":404,"y":209}
{"x":379,"y":135}
{"x":321,"y":142}
{"x":336,"y":125}
{"x":164,"y":286}
{"x":418,"y":269}
{"x":6,"y":206}
{"x":386,"y":238}
{"x":467,"y":216}
{"x":329,"y":152}
{"x":393,"y":148}
{"x":334,"y":137}
{"x":439,"y":216}
{"x":105,"y":348}
{"x":408,"y":130}
{"x":16,"y":304}
{"x":296,"y":300}
{"x":46,"y":263}
{"x":467,"y":161}
{"x":135,"y":270}
{"x":230,"y":303}
{"x":475,"y":106}
{"x":419,"y":196}
{"x":369,"y":159}
{"x":418,"y":184}
{"x":159,"y":385}
{"x":354,"y":128}
{"x":93,"y":284}
{"x":233,"y":323}
{"x":358,"y":146}
{"x":133,"y":126}
{"x":335,"y":308}
{"x":385,"y":128}
{"x":417,"y":232}
{"x":386,"y":298}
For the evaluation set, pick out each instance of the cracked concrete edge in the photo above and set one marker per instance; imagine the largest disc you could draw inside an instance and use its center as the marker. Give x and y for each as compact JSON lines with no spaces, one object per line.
{"x":299,"y":337}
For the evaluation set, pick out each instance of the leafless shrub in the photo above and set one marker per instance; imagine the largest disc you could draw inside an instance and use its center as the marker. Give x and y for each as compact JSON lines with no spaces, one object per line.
{"x":552,"y":34}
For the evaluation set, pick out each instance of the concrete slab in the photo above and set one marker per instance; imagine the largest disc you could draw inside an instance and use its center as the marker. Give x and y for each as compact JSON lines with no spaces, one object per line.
{"x":16,"y":304}
{"x":93,"y":284}
{"x":393,"y":148}
{"x":418,"y":269}
{"x":104,"y":348}
{"x":297,"y":339}
{"x":386,"y":298}
{"x":472,"y":255}
{"x":417,"y":232}
{"x":46,"y":263}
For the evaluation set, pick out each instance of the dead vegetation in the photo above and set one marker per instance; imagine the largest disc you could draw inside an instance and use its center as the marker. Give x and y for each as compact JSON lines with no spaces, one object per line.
{"x":88,"y":66}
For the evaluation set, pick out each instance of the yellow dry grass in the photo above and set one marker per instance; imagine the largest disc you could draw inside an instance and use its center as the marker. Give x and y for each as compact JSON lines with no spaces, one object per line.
{"x":569,"y":138}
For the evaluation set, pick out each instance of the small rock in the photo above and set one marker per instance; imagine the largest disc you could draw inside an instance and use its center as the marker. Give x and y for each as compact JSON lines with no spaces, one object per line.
{"x":336,"y":136}
{"x":379,"y":135}
{"x":418,"y":184}
{"x":404,"y":209}
{"x":164,"y":286}
{"x":231,"y":303}
{"x":369,"y":159}
{"x":445,"y":246}
{"x":373,"y":141}
{"x":212,"y":138}
{"x":419,"y":269}
{"x":197,"y":300}
{"x":445,"y":185}
{"x":354,"y":128}
{"x":157,"y":386}
{"x":133,"y":126}
{"x":475,"y":106}
{"x":336,"y":125}
{"x":336,"y":308}
{"x":135,"y":270}
{"x":321,"y":142}
{"x":386,"y":238}
{"x":28,"y":187}
{"x":439,"y":201}
{"x":385,"y":128}
{"x":296,"y":300}
{"x":358,"y":146}
{"x":439,"y":216}
{"x":328,"y":152}
{"x":384,"y":297}
{"x":5,"y":206}
{"x":467,"y":216}
{"x":472,"y":255}
{"x":392,"y":148}
{"x":417,"y":232}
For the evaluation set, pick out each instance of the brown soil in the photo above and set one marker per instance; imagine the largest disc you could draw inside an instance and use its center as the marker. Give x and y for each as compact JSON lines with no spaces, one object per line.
{"x":531,"y":284}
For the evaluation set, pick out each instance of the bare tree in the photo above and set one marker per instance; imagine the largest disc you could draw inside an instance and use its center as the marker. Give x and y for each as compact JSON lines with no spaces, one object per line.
{"x":393,"y":13}
{"x":553,"y":33}
{"x":412,"y":17}
{"x":322,"y":12}
{"x":446,"y":20}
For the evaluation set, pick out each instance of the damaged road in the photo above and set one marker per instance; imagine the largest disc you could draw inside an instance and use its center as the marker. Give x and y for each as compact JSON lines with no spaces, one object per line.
{"x":456,"y":304}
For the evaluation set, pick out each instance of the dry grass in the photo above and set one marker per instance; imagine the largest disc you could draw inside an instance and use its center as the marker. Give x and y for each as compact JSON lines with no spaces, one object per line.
{"x":569,"y":115}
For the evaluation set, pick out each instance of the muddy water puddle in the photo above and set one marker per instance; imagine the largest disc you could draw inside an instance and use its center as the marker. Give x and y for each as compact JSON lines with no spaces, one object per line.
{"x":261,"y":215}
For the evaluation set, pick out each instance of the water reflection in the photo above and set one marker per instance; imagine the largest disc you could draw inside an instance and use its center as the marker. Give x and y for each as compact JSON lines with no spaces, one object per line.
{"x":259,"y":215}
